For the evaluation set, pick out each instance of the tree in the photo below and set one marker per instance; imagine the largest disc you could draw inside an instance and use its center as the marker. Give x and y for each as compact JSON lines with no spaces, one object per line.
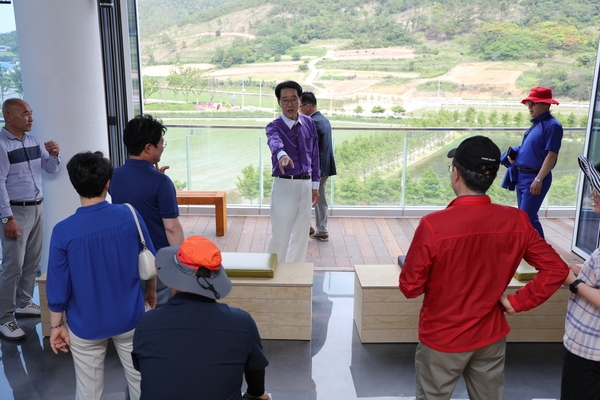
{"x":562,"y":193}
{"x":349,"y":191}
{"x":377,"y":191}
{"x":213,"y":85}
{"x":432,"y":190}
{"x":470,"y":114}
{"x":174,"y":82}
{"x":17,"y":82}
{"x":267,"y":180}
{"x":481,"y":120}
{"x":519,"y":117}
{"x":358,"y":110}
{"x":198,"y":83}
{"x":412,"y":193}
{"x":6,"y":83}
{"x":247,"y":184}
{"x":179,"y":185}
{"x":398,"y":110}
{"x":378,"y":110}
{"x":505,"y":118}
{"x":500,"y":195}
{"x":187,"y":80}
{"x":150,"y":85}
{"x":493,"y":118}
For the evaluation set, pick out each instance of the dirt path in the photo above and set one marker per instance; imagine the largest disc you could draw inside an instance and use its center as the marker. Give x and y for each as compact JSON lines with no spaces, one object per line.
{"x":484,"y":80}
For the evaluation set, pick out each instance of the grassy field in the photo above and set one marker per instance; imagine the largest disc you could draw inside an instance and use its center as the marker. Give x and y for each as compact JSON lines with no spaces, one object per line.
{"x":217,"y":156}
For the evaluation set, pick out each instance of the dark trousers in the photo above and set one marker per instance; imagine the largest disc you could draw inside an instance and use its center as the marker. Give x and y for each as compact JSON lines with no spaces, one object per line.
{"x":580,"y":378}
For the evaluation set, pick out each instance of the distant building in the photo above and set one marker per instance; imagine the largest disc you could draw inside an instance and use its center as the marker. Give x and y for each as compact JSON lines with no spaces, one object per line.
{"x":4,"y":48}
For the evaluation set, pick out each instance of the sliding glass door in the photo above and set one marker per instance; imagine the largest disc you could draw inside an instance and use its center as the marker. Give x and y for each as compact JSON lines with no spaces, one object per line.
{"x":587,"y":224}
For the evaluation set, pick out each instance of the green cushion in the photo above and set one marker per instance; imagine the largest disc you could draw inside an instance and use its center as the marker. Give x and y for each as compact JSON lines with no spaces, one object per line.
{"x":252,"y":265}
{"x":525,"y":272}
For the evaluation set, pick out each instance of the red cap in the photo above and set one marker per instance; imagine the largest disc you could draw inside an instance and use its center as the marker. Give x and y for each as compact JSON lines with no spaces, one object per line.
{"x":540,"y":94}
{"x":198,"y":251}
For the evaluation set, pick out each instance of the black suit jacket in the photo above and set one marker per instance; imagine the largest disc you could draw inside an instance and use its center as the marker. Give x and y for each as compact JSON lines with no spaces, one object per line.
{"x":325,"y":144}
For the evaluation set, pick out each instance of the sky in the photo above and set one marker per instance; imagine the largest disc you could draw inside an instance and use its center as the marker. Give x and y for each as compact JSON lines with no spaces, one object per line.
{"x":7,"y":18}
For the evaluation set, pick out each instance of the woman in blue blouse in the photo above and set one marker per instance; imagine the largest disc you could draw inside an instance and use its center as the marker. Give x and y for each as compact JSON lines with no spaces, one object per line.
{"x":93,"y":279}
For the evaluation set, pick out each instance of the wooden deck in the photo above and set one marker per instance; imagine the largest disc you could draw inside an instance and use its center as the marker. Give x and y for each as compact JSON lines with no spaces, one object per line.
{"x":352,"y":240}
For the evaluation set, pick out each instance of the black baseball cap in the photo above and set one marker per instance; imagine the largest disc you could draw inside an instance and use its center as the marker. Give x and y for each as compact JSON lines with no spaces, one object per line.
{"x":478,"y":154}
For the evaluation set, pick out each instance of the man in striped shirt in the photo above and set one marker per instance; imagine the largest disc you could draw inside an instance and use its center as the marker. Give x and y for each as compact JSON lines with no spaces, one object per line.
{"x":22,"y":159}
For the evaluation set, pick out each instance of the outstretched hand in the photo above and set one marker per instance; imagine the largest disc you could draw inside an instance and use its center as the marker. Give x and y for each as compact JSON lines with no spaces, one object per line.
{"x":285,"y":161}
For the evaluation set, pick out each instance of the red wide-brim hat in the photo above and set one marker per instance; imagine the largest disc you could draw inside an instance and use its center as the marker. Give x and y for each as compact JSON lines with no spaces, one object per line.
{"x":540,"y":94}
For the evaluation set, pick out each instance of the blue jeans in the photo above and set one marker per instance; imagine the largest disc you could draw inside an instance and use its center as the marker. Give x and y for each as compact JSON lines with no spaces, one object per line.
{"x":529,"y":203}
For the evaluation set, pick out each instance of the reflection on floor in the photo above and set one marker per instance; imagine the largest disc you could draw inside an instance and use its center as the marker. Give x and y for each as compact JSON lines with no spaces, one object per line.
{"x":334,"y":365}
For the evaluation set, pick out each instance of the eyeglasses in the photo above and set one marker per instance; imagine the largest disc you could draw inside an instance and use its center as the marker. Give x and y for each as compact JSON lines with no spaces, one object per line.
{"x":303,"y":105}
{"x":293,"y":100}
{"x":163,"y":142}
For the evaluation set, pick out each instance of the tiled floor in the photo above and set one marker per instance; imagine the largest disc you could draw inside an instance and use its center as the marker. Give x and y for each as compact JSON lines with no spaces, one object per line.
{"x":334,"y":365}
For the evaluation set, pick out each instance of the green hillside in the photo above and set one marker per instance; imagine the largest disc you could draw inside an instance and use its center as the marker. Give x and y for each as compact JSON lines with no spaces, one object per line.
{"x":558,"y":37}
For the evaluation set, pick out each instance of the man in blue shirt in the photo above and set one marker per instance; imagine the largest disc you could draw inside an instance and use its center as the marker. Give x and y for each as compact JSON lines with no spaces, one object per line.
{"x":537,"y":155}
{"x":22,"y":160}
{"x":141,"y":183}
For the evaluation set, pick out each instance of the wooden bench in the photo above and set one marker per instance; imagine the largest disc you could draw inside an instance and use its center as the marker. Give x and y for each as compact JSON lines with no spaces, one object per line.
{"x":217,"y":198}
{"x":281,"y":306}
{"x":383,"y":315}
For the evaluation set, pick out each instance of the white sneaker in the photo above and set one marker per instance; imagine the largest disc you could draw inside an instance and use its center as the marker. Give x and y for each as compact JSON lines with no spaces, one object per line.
{"x":10,"y":330}
{"x":29,"y":310}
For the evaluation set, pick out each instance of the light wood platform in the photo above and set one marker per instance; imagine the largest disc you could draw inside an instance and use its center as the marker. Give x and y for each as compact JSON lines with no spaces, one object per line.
{"x":216,"y":198}
{"x":352,"y":240}
{"x":383,"y":315}
{"x":281,"y":306}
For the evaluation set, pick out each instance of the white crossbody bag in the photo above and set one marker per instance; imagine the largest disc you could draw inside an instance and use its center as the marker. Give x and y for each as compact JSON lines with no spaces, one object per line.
{"x":146,"y":265}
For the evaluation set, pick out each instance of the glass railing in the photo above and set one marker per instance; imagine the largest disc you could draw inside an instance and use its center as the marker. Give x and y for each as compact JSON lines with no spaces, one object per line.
{"x":383,"y":166}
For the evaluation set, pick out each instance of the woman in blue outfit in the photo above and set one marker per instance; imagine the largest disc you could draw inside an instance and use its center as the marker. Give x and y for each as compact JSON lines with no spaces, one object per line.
{"x":93,"y":279}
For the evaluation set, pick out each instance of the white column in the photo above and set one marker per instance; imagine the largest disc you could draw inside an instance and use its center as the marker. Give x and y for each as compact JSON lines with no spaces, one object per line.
{"x":61,"y":64}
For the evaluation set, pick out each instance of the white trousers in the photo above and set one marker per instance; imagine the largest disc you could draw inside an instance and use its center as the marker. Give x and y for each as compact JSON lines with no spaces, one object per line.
{"x":88,"y":358}
{"x":290,"y":218}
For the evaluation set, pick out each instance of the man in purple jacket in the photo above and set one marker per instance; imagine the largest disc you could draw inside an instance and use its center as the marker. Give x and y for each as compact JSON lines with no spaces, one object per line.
{"x":293,"y":141}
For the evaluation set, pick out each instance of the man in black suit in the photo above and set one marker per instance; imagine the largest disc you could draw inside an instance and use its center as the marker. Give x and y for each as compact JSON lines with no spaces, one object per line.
{"x":309,"y":108}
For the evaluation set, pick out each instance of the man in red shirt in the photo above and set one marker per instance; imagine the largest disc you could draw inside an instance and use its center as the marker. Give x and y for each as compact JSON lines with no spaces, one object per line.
{"x":463,"y":258}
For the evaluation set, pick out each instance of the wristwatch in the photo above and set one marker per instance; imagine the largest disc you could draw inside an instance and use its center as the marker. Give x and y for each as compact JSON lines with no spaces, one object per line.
{"x":6,"y":219}
{"x":573,"y":286}
{"x":538,"y":180}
